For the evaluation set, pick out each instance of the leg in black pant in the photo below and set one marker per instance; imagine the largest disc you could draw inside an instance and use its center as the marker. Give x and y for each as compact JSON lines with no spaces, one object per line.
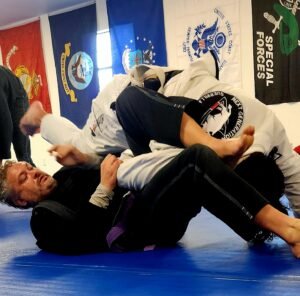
{"x":147,"y":115}
{"x":196,"y":177}
{"x":21,"y":143}
{"x":13,"y":105}
{"x":6,"y":127}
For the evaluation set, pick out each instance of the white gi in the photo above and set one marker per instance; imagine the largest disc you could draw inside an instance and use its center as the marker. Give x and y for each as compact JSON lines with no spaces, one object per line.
{"x":102,"y":132}
{"x":226,"y":111}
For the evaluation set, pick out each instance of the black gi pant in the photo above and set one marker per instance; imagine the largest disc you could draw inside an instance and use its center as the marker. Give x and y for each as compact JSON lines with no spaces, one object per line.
{"x":146,"y":115}
{"x":196,"y":177}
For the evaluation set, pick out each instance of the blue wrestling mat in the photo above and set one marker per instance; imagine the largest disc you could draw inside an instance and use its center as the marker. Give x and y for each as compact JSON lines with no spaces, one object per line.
{"x":210,"y":260}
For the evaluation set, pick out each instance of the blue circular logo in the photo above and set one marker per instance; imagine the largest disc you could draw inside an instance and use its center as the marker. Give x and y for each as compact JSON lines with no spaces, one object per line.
{"x":220,"y":39}
{"x":80,"y":70}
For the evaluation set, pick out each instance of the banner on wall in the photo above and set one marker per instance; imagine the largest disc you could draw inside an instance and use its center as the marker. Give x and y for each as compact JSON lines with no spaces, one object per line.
{"x":74,"y":44}
{"x":276,"y":50}
{"x":137,"y":33}
{"x":200,"y":26}
{"x":21,"y":51}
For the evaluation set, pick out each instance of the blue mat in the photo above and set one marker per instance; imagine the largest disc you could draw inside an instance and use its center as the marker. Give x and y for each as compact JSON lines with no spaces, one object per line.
{"x":209,"y":260}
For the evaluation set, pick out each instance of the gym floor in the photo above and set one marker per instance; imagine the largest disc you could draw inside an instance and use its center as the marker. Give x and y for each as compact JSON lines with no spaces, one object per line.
{"x":209,"y":260}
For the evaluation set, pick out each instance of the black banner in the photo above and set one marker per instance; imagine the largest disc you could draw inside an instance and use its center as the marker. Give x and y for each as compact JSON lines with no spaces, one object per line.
{"x":276,"y":50}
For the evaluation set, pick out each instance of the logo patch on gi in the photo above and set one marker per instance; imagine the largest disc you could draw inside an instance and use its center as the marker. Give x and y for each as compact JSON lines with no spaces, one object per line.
{"x":223,"y":114}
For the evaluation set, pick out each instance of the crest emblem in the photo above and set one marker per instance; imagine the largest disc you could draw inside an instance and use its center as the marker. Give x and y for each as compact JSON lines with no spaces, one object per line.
{"x":32,"y":82}
{"x":290,"y":4}
{"x":80,"y":70}
{"x":286,"y":23}
{"x":138,"y":51}
{"x":207,"y":36}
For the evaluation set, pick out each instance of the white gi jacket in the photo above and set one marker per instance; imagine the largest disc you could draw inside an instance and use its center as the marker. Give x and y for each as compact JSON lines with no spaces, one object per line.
{"x":102,"y":132}
{"x":226,"y":111}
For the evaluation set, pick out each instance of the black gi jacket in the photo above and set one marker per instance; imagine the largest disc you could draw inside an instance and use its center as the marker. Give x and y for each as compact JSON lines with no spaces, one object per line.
{"x":87,"y":232}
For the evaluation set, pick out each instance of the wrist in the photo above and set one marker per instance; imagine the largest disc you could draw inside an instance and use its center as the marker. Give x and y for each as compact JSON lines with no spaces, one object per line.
{"x":101,"y":197}
{"x":91,"y":159}
{"x":106,"y":189}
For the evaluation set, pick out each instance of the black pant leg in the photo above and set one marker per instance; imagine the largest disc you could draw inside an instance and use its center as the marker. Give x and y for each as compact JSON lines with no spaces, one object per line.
{"x":21,"y":143}
{"x":196,"y":177}
{"x":6,"y":124}
{"x":13,"y":105}
{"x":147,"y":115}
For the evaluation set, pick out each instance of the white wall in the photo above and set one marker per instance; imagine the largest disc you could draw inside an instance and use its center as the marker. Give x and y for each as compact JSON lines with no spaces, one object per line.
{"x":40,"y":155}
{"x":288,"y":114}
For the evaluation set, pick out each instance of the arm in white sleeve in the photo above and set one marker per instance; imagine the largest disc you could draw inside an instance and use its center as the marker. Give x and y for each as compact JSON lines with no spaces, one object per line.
{"x":58,"y":130}
{"x":102,"y":132}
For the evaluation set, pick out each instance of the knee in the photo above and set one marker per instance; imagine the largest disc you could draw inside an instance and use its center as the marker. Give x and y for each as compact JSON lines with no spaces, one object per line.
{"x":128,"y":95}
{"x":201,"y":149}
{"x":201,"y":153}
{"x":126,"y":99}
{"x":268,"y":179}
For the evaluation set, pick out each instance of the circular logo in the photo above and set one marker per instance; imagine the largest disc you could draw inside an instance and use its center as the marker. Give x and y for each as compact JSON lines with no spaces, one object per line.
{"x":222,"y":115}
{"x":80,"y":70}
{"x":220,"y":39}
{"x":138,"y":51}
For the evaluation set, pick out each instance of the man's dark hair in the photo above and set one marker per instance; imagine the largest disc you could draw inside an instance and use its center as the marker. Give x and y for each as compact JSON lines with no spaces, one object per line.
{"x":6,"y":194}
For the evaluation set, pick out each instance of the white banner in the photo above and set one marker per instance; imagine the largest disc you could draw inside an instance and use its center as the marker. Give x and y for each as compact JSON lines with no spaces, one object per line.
{"x":195,"y":26}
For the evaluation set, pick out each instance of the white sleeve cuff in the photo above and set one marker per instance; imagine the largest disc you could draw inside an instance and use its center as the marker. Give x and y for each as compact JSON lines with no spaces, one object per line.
{"x":101,"y":197}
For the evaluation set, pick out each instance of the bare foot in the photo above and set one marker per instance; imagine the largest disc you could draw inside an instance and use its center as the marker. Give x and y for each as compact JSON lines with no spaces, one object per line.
{"x":31,"y":121}
{"x":296,"y":250}
{"x":293,"y":238}
{"x":231,"y":150}
{"x":286,"y":227}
